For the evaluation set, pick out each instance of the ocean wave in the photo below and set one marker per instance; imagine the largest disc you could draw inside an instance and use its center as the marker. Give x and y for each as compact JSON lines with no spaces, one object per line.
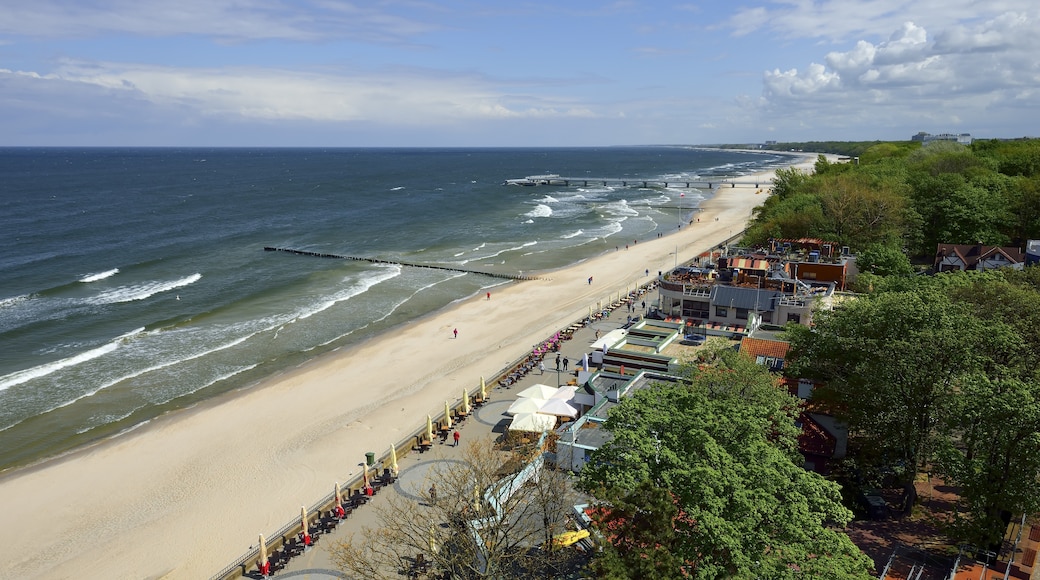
{"x":99,"y":276}
{"x":398,"y":188}
{"x":620,"y":208}
{"x":389,"y":271}
{"x":571,"y":235}
{"x":549,"y":199}
{"x":14,"y":300}
{"x":19,"y":377}
{"x":612,"y":228}
{"x":389,"y":311}
{"x":142,"y":291}
{"x":215,"y":380}
{"x":540,"y":210}
{"x":499,"y":253}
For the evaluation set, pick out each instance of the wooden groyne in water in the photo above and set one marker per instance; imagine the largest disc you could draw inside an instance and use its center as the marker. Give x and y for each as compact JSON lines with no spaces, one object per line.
{"x":411,"y":265}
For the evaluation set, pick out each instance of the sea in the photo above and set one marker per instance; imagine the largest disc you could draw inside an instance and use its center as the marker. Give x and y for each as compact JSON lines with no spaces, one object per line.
{"x":134,"y":281}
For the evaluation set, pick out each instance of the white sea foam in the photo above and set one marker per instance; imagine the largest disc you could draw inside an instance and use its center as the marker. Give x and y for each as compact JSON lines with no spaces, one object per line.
{"x":100,"y":275}
{"x":549,"y":199}
{"x":398,"y":188}
{"x":572,"y":235}
{"x":215,"y":380}
{"x":612,"y":228}
{"x":540,"y":210}
{"x":19,"y":377}
{"x":14,"y":300}
{"x":499,"y":253}
{"x":620,"y":208}
{"x":389,"y":271}
{"x":398,"y":304}
{"x":142,"y":291}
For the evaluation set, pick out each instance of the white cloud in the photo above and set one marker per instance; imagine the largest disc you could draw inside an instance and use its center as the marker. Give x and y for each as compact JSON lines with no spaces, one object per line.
{"x":401,"y":97}
{"x":235,"y":20}
{"x":967,"y":73}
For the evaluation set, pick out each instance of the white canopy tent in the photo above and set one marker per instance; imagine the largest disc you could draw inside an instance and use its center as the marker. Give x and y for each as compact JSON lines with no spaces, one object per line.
{"x":532,"y":422}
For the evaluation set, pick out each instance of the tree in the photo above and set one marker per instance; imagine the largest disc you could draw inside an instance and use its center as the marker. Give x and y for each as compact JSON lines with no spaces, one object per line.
{"x":458,"y":531}
{"x":992,"y":455}
{"x":890,"y":362}
{"x":722,"y":445}
{"x":883,"y":260}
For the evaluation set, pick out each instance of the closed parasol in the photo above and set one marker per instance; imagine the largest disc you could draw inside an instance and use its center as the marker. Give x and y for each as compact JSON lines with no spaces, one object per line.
{"x":303,"y":522}
{"x":465,"y":402}
{"x":393,"y":461}
{"x":447,"y":415}
{"x":262,"y":563}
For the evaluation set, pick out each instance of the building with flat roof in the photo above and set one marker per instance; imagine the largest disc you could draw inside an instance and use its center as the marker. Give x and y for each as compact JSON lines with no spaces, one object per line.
{"x":962,"y":138}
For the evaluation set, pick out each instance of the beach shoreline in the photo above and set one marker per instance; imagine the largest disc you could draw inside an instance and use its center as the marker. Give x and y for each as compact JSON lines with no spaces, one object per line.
{"x":186,"y":493}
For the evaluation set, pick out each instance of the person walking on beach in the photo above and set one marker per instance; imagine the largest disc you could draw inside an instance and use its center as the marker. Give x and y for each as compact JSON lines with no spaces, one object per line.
{"x":489,"y":296}
{"x":566,"y":361}
{"x":456,"y":436}
{"x":433,"y":494}
{"x":541,"y":368}
{"x":456,"y":331}
{"x":557,"y":361}
{"x":590,"y":280}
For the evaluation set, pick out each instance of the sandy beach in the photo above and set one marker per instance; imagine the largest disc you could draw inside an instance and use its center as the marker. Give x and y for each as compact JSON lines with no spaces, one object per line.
{"x":184,"y":495}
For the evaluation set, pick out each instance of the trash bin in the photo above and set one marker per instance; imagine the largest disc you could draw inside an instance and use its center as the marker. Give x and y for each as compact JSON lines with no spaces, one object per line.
{"x":370,"y":458}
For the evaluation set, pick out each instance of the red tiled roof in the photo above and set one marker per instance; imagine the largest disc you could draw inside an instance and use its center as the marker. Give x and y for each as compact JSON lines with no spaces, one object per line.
{"x":971,"y":254}
{"x":756,"y":347}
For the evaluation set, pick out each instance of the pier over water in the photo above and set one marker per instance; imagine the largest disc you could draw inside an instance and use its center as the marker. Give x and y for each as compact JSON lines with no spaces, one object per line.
{"x":532,"y":180}
{"x":411,"y":265}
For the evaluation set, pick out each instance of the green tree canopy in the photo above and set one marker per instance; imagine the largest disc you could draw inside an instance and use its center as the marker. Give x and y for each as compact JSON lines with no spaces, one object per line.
{"x":890,"y":361}
{"x":723,"y":444}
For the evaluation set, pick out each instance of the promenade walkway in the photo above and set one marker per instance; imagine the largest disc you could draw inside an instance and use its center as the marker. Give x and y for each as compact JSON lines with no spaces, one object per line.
{"x":487,"y":422}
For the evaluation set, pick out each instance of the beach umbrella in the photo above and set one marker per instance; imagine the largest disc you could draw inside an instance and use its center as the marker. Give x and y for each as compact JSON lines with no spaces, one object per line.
{"x":476,"y":499}
{"x":465,"y":402}
{"x":532,"y":422}
{"x":303,"y":521}
{"x":429,"y":428}
{"x":538,"y":391}
{"x":364,"y":472}
{"x":339,"y":495}
{"x":559,"y":408}
{"x":525,"y":405}
{"x":565,"y":393}
{"x":262,"y":563}
{"x":433,"y":540}
{"x":447,"y":415}
{"x":393,"y":460}
{"x":483,"y":389}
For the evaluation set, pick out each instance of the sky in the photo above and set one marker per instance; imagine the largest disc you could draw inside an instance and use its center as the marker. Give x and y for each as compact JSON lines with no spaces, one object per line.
{"x":517,"y":73}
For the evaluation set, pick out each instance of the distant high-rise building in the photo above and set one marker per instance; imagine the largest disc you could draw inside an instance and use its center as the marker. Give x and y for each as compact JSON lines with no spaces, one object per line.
{"x":962,"y":138}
